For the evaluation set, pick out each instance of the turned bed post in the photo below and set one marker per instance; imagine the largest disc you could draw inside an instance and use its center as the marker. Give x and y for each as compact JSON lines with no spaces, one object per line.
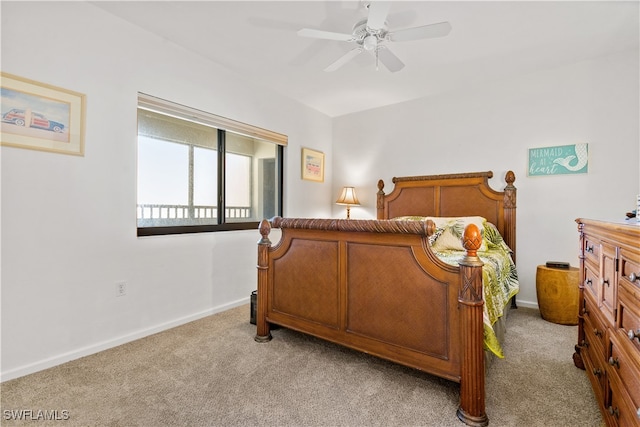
{"x":509,"y":234}
{"x":470,"y":298}
{"x":510,"y":213}
{"x":263,"y":330}
{"x":380,"y":200}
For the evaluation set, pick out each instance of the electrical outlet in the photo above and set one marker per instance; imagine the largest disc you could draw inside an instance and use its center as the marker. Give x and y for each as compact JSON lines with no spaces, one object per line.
{"x":121,"y":289}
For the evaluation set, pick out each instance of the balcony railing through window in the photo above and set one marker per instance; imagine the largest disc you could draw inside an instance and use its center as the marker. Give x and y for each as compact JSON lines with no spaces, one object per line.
{"x":169,"y":215}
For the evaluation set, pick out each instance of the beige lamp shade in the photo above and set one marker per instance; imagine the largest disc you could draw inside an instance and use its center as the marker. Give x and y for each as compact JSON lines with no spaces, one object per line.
{"x":348,"y":197}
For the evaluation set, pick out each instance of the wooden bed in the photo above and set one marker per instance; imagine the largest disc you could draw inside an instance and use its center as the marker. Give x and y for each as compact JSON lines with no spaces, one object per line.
{"x":377,"y":287}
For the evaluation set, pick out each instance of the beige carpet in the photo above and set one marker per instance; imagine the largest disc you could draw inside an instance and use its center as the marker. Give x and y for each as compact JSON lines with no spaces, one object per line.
{"x":211,"y":373}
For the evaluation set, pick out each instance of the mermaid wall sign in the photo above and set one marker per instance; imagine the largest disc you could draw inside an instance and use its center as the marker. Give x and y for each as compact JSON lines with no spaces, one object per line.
{"x":560,"y":160}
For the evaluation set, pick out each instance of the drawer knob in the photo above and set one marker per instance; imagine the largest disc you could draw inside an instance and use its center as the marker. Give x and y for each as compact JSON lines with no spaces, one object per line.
{"x":588,"y":282}
{"x":585,"y":311}
{"x":597,"y":372}
{"x":614,"y":362}
{"x":589,"y":249}
{"x":585,"y":343}
{"x":605,"y":282}
{"x":615,"y":412}
{"x":633,"y":334}
{"x":596,"y":332}
{"x":633,"y":277}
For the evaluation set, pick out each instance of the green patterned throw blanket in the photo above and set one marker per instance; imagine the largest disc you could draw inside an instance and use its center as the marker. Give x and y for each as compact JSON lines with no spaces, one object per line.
{"x":499,"y":275}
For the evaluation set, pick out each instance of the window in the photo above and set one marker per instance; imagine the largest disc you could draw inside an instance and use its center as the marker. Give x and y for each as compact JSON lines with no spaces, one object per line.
{"x":200,"y":172}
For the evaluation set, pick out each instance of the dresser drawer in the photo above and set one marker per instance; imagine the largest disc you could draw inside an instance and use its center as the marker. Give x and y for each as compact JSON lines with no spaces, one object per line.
{"x":620,"y":411}
{"x":629,"y":316}
{"x":630,"y":267}
{"x":591,"y":251}
{"x":590,"y":312}
{"x":624,"y":363}
{"x":620,"y":408}
{"x":596,"y":372}
{"x":591,"y":281}
{"x":595,"y":336}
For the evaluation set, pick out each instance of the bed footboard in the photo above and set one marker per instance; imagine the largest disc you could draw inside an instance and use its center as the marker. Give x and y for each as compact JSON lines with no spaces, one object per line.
{"x":375,"y":286}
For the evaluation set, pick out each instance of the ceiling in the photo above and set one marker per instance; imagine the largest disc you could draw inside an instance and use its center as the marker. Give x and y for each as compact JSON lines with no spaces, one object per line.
{"x":258,"y":40}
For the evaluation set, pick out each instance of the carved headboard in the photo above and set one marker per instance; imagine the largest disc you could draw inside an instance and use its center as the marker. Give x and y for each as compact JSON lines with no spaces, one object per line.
{"x":464,"y":194}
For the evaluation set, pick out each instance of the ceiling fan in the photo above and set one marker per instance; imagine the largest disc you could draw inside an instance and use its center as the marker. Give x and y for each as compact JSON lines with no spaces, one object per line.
{"x":372,"y":33}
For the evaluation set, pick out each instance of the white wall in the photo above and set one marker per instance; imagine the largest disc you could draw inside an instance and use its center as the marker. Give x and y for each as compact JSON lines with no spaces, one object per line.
{"x":491,"y":127}
{"x":68,"y":223}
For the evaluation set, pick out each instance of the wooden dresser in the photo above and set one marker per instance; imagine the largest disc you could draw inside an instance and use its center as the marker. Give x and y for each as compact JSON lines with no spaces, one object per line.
{"x":608,"y":345}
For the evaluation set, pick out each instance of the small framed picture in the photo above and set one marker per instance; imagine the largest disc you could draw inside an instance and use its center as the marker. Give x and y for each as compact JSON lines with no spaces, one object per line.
{"x":39,"y":116}
{"x":312,"y":165}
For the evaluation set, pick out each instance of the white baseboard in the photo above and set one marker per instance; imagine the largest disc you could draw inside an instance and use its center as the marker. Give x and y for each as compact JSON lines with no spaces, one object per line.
{"x":527,"y":304}
{"x":98,"y":347}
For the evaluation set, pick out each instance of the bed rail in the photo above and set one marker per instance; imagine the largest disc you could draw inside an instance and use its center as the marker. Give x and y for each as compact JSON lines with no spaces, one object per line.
{"x":424,"y":228}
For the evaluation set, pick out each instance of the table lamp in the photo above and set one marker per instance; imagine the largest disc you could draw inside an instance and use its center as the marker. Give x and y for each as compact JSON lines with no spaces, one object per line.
{"x":348,"y":197}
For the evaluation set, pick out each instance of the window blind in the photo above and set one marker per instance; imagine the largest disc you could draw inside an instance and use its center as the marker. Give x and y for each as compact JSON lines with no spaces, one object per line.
{"x":159,"y":105}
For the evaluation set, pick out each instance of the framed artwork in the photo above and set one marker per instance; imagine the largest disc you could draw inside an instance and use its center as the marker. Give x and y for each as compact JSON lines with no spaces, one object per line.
{"x":559,"y":160}
{"x":39,"y":116}
{"x":312,"y":165}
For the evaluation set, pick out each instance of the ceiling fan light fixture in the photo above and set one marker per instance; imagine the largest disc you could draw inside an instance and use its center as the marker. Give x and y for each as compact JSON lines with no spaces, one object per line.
{"x":370,"y":42}
{"x":372,"y":34}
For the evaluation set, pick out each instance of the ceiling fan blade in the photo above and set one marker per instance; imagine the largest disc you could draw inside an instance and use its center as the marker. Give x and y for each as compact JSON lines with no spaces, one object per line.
{"x":344,"y":59}
{"x":327,"y":35}
{"x":378,"y":11}
{"x":440,"y":29}
{"x":389,"y":59}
